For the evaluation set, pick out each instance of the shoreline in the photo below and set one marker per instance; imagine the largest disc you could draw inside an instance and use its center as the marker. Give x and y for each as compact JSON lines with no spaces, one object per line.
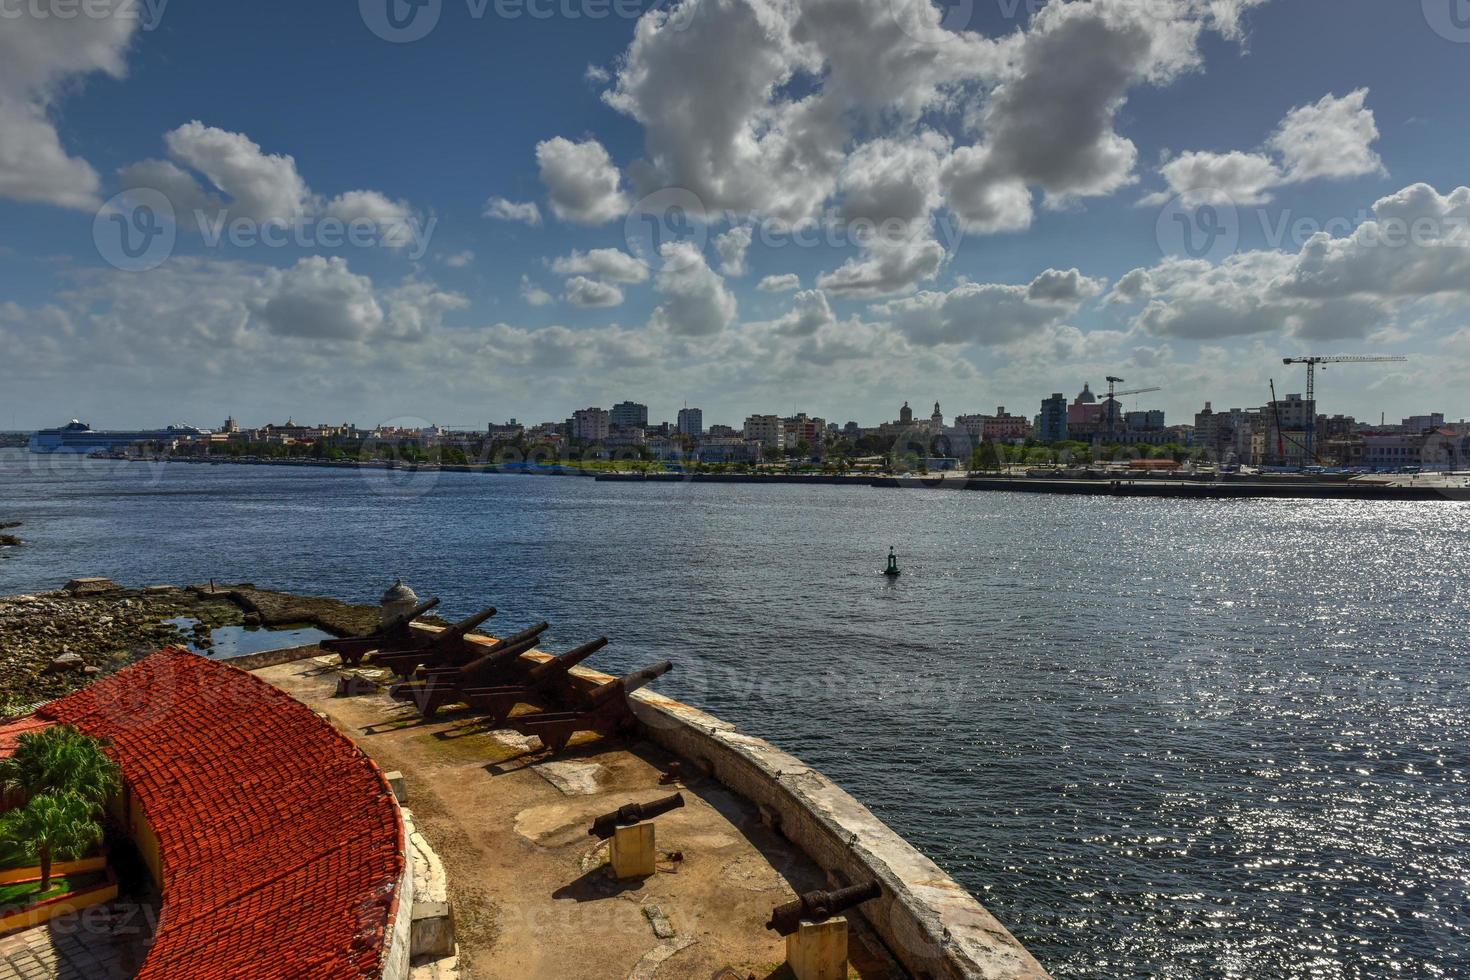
{"x":1286,"y":486}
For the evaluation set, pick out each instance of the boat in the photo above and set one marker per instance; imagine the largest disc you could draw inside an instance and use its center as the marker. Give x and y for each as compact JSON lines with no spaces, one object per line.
{"x":79,"y":437}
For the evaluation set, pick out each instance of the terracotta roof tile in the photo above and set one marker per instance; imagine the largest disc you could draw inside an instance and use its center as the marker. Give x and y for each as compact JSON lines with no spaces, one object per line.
{"x":282,"y":845}
{"x":11,"y":731}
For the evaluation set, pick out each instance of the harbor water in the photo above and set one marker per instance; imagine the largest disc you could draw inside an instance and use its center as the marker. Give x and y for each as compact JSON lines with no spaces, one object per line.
{"x":1154,"y":737}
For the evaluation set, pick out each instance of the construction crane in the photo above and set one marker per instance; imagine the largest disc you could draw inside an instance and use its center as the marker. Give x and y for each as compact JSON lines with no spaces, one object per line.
{"x":1113,"y":395}
{"x":1311,"y":362}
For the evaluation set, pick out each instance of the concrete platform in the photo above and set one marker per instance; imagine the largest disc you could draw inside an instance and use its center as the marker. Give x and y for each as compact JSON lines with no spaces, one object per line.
{"x":530,"y":888}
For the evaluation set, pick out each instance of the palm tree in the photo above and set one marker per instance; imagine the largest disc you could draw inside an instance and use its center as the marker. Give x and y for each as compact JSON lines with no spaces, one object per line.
{"x":50,"y":826}
{"x":61,"y":759}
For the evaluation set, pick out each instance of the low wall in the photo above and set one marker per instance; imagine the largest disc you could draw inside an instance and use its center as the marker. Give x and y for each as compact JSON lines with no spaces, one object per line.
{"x":933,"y":927}
{"x":56,"y":907}
{"x":14,"y":875}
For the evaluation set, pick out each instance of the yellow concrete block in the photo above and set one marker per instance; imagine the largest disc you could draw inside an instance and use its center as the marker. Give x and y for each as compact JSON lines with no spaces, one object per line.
{"x":818,"y":951}
{"x":633,"y":851}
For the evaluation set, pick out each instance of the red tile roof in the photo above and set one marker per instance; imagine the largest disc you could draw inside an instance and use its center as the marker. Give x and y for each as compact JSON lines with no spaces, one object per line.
{"x":282,"y":845}
{"x":11,"y":731}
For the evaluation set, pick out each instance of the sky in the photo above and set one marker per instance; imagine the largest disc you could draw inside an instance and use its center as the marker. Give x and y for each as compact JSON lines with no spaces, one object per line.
{"x":463,"y":211}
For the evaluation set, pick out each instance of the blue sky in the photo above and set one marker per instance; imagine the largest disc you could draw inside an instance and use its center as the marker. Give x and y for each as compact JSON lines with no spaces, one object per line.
{"x":1028,"y":166}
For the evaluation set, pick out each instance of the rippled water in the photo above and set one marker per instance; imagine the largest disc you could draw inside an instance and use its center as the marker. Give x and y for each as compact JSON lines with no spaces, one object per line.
{"x":1156,"y":738}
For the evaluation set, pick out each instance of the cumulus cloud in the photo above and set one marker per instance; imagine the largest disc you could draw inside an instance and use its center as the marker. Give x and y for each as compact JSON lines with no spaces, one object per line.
{"x":583,"y":184}
{"x":260,"y":186}
{"x":585,"y":292}
{"x":1332,"y":138}
{"x":696,"y":302}
{"x":321,"y":298}
{"x":809,"y":313}
{"x":607,"y":264}
{"x":501,"y":209}
{"x":246,"y":182}
{"x":783,"y":283}
{"x":42,"y":57}
{"x":458,"y":260}
{"x":732,"y":246}
{"x":395,"y":219}
{"x":533,"y":294}
{"x":884,"y":267}
{"x":1414,"y":251}
{"x":990,"y":313}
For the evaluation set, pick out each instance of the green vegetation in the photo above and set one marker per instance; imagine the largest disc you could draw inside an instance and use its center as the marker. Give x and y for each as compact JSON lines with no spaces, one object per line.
{"x":29,"y":893}
{"x":68,"y":780}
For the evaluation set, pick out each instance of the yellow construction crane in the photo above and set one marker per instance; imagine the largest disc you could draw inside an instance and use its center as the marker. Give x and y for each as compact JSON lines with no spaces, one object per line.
{"x":1311,"y":363}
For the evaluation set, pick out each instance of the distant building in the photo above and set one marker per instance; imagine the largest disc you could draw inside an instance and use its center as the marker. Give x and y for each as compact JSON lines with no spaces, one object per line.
{"x":691,"y":422}
{"x":723,"y":432}
{"x":507,"y":432}
{"x":1423,"y":423}
{"x":589,"y":424}
{"x":906,"y":415}
{"x":768,"y":430}
{"x":936,"y":421}
{"x":1052,"y":425}
{"x":628,"y":415}
{"x":800,"y":428}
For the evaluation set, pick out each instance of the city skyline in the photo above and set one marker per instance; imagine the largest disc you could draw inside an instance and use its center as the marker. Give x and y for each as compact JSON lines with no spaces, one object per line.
{"x":969,"y":222}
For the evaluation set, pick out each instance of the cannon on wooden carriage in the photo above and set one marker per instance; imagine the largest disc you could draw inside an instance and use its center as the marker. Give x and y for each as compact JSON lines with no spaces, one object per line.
{"x":396,"y":634}
{"x":820,"y":906}
{"x":449,"y":647}
{"x":439,"y":686}
{"x":604,"y":710}
{"x":549,"y":681}
{"x":626,"y":816}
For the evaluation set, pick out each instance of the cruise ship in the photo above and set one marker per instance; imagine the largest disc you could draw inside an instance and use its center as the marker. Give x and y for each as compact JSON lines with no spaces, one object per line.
{"x":79,"y":437}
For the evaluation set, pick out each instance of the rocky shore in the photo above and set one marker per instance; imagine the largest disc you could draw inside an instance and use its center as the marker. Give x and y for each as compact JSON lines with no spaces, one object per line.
{"x":8,"y":540}
{"x":56,"y":642}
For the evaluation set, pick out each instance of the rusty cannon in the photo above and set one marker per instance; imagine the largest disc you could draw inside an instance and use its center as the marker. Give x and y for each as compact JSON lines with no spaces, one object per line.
{"x":549,"y":681}
{"x":447,"y":648}
{"x":626,"y":816}
{"x":436,"y":687}
{"x":820,"y":906}
{"x":604,"y":710}
{"x":396,"y":634}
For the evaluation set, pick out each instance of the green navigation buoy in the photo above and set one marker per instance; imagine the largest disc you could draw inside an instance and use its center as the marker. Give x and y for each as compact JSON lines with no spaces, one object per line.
{"x":892,"y":570}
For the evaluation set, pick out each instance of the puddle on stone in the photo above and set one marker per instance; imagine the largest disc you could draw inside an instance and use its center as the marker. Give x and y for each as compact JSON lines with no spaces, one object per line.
{"x":241,"y":641}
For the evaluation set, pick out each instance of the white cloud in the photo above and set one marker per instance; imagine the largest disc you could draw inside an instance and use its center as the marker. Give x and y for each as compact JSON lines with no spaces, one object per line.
{"x":607,"y":264}
{"x":525,"y":212}
{"x":458,"y":260}
{"x":885,"y":267}
{"x":989,"y":313}
{"x":320,"y":298}
{"x":783,"y":283}
{"x":581,"y":180}
{"x":1333,"y":138}
{"x":395,"y":220}
{"x":533,"y":294}
{"x":42,"y":57}
{"x":261,"y":186}
{"x":809,"y":313}
{"x":585,"y":292}
{"x":732,"y":246}
{"x":696,"y":302}
{"x":1414,"y":255}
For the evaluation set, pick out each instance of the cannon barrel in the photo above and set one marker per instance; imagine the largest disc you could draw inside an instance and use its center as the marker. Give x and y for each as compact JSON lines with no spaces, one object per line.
{"x":463,"y":627}
{"x":820,"y":906}
{"x":498,"y":656}
{"x":626,"y":816}
{"x":387,"y":634}
{"x":565,"y":662}
{"x":629,"y":683}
